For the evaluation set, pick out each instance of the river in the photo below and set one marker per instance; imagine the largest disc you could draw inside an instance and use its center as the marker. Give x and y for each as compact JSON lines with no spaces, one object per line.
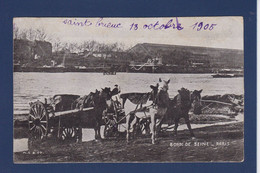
{"x":29,"y":87}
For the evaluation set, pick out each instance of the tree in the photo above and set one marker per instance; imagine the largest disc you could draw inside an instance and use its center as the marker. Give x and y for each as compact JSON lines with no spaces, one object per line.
{"x":56,"y":45}
{"x":90,"y":46}
{"x":40,"y":35}
{"x":73,"y":47}
{"x":30,"y":34}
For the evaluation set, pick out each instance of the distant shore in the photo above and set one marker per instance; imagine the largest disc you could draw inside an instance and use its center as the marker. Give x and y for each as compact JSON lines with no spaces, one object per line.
{"x":162,"y":69}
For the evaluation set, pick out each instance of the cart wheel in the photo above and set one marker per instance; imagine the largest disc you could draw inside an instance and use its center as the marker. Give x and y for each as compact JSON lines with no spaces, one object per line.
{"x":142,"y":127}
{"x":110,"y":129}
{"x":107,"y":131}
{"x":38,"y":121}
{"x":71,"y":134}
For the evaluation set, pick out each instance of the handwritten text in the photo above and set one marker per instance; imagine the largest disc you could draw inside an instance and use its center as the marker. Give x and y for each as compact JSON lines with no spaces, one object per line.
{"x":174,"y":24}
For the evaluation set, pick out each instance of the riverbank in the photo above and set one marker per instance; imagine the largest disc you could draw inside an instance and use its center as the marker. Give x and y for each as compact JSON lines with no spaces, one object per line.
{"x":215,"y":143}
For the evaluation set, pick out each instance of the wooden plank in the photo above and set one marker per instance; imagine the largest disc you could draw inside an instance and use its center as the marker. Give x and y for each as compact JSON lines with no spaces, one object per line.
{"x":214,"y":101}
{"x":63,"y":113}
{"x":57,"y":114}
{"x":23,"y":112}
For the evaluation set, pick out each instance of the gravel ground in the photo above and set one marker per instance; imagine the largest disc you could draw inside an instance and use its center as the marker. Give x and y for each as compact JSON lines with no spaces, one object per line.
{"x":223,"y":143}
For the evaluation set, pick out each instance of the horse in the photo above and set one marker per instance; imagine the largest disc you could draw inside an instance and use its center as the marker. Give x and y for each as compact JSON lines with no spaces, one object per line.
{"x":97,"y":100}
{"x":135,"y":107}
{"x":158,"y":98}
{"x":100,"y":103}
{"x":161,"y":106}
{"x":180,"y":106}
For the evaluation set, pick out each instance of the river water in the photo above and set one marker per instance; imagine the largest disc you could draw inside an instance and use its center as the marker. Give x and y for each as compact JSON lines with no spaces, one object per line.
{"x":29,"y":87}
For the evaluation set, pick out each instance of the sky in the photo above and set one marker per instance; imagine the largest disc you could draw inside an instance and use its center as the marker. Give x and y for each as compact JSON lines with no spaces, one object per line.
{"x":226,"y":32}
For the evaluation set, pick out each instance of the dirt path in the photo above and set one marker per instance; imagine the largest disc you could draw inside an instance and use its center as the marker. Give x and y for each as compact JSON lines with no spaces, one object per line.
{"x":217,"y":143}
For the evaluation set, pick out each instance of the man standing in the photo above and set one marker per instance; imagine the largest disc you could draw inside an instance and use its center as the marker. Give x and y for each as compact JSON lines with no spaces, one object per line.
{"x":115,"y":96}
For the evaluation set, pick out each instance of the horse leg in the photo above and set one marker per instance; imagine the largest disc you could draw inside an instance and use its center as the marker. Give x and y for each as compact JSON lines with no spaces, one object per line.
{"x":147,"y":128}
{"x":176,"y":125}
{"x":127,"y":127}
{"x":133,"y":126}
{"x":187,"y":121}
{"x":79,"y":134}
{"x":96,"y":136}
{"x":99,"y":126}
{"x":152,"y":127}
{"x":98,"y":131}
{"x":159,"y":126}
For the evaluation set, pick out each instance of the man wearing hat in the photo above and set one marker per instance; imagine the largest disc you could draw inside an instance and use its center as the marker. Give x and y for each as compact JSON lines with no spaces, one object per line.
{"x":115,"y":95}
{"x":115,"y":91}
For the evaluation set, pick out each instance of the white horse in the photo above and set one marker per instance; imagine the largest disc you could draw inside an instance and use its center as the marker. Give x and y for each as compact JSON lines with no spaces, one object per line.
{"x":133,"y":111}
{"x":161,"y":106}
{"x":156,"y":101}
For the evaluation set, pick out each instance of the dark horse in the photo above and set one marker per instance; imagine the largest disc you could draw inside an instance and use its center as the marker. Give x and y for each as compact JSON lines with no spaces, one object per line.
{"x":98,"y":101}
{"x":180,"y":106}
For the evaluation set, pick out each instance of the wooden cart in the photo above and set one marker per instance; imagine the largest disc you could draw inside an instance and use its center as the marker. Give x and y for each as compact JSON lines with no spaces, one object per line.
{"x":116,"y":118}
{"x":63,"y":125}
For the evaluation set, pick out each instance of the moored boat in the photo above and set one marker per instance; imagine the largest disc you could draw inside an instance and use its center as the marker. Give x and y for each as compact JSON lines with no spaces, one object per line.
{"x":228,"y":73}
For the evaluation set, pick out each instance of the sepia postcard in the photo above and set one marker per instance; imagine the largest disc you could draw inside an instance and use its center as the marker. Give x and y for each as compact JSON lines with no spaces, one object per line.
{"x":117,"y":90}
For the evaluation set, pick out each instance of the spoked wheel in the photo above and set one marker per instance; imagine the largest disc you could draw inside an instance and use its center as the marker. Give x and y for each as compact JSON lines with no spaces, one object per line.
{"x":71,"y":134}
{"x":38,"y":121}
{"x":110,"y":129}
{"x":142,"y":127}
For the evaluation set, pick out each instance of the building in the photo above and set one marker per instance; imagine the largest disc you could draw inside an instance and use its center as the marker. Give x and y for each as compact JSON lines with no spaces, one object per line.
{"x":188,"y":56}
{"x":29,"y":52}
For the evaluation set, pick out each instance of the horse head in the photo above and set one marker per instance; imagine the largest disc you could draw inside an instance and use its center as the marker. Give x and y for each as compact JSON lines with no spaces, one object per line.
{"x":105,"y":93}
{"x":163,"y":85}
{"x":195,"y":95}
{"x":162,"y":97}
{"x":99,"y":98}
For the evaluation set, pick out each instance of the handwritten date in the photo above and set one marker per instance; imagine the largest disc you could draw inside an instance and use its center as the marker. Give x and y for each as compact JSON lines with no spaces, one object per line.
{"x":159,"y":26}
{"x":200,"y":26}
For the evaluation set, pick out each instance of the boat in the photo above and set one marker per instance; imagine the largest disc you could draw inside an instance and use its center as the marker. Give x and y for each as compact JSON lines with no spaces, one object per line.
{"x":228,"y":73}
{"x":223,"y":75}
{"x":109,"y":73}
